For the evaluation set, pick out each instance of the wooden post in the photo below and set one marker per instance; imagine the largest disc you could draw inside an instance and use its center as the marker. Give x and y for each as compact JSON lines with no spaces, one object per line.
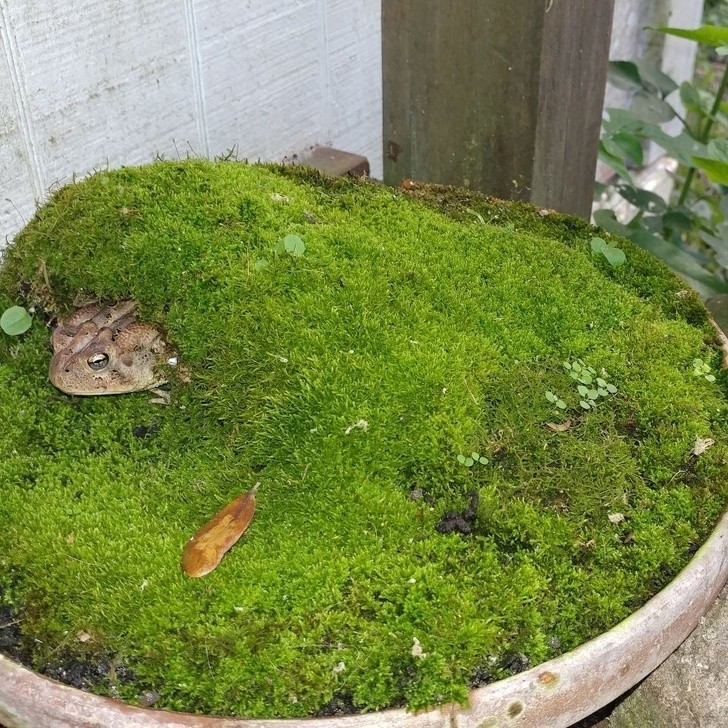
{"x":504,"y":96}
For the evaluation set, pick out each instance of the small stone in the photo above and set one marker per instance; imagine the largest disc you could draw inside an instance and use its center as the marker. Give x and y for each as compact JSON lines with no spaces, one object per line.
{"x":148,"y":698}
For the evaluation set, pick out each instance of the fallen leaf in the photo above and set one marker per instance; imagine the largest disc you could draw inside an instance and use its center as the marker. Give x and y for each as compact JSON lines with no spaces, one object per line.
{"x":616,"y":517}
{"x":559,"y":427}
{"x":204,"y":551}
{"x":82,"y":636}
{"x":701,"y":445}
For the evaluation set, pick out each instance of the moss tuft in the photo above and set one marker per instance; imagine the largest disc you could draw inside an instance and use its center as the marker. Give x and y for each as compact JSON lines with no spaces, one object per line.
{"x":441,"y":321}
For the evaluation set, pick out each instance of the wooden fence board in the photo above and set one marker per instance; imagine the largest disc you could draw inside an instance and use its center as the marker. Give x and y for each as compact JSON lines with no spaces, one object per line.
{"x":499,"y":95}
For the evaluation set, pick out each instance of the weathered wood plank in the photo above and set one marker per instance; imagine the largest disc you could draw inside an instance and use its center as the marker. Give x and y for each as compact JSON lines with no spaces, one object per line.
{"x":499,"y":95}
{"x":573,"y":75}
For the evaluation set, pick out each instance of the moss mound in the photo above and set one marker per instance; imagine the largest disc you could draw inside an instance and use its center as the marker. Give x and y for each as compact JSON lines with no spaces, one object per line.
{"x":347,"y":381}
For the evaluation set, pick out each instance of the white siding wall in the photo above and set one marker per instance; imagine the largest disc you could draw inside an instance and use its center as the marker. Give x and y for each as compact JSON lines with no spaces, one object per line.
{"x":86,"y":84}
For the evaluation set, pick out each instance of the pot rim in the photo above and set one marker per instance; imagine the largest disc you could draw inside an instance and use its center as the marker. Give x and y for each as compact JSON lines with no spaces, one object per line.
{"x":554,"y":694}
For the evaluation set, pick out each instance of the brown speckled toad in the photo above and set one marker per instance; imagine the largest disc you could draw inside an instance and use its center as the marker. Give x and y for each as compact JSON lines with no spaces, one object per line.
{"x":104,"y":350}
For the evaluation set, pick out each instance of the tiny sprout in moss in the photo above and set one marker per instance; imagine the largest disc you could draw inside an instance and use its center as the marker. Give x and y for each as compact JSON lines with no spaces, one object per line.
{"x":291,"y":244}
{"x":701,"y":369}
{"x":15,"y":321}
{"x":260,"y":263}
{"x":469,"y":460}
{"x":554,"y":399}
{"x":481,"y":219}
{"x":615,"y":256}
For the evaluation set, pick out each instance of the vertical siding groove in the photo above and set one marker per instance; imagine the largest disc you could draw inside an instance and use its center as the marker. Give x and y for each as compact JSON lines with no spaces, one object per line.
{"x":325,"y":74}
{"x":20,"y":100}
{"x":193,"y":48}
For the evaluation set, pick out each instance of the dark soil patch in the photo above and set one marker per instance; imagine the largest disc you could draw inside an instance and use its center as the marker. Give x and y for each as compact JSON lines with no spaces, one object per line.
{"x":463,"y":521}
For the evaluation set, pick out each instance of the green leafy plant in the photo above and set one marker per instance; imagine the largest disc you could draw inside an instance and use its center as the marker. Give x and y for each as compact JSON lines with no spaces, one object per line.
{"x":690,"y":231}
{"x":291,"y":244}
{"x":15,"y":321}
{"x":701,"y":369}
{"x":589,"y":386}
{"x":469,"y":460}
{"x":554,"y":399}
{"x":615,"y":256}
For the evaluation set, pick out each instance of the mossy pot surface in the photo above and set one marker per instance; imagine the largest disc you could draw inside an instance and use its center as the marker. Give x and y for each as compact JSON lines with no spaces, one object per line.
{"x":478,"y":445}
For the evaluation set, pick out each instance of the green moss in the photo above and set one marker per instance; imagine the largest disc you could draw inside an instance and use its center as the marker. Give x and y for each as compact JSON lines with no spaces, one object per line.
{"x":441,"y":331}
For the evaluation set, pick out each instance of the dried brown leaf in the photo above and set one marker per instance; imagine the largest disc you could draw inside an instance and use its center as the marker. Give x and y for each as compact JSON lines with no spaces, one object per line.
{"x":204,"y":551}
{"x":559,"y":426}
{"x":616,"y":517}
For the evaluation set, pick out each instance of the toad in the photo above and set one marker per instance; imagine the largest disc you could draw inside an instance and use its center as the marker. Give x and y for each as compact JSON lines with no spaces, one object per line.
{"x":104,"y":350}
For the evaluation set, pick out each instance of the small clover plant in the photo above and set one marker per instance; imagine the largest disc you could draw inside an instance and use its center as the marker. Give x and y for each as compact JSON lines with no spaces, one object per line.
{"x":701,"y":369}
{"x":590,"y":386}
{"x":556,"y":400}
{"x":15,"y":321}
{"x":469,"y":460}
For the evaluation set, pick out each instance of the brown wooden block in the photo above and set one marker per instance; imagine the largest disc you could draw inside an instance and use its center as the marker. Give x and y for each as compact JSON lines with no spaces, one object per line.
{"x":336,"y":162}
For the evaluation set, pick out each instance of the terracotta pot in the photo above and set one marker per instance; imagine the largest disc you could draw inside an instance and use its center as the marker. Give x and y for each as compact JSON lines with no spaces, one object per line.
{"x":554,"y":694}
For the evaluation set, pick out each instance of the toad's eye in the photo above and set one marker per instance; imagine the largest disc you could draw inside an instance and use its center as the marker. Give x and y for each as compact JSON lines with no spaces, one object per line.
{"x":97,"y":362}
